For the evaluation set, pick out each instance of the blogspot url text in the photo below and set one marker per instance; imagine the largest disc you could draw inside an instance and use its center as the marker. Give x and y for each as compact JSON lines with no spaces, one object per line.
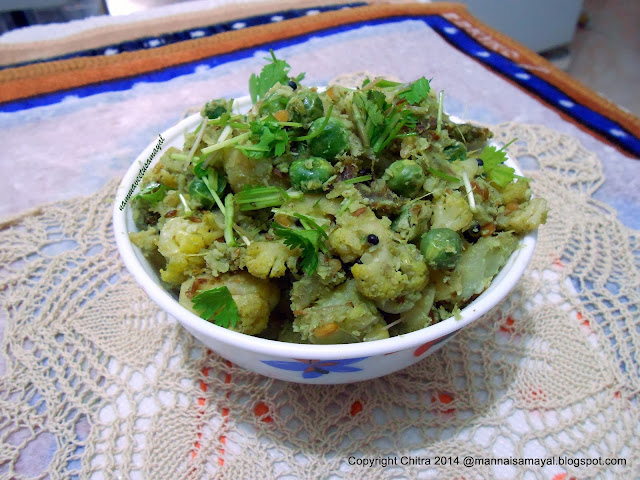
{"x":470,"y":461}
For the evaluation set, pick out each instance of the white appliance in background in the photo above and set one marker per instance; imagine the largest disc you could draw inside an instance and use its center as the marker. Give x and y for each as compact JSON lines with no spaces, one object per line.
{"x":541,"y":25}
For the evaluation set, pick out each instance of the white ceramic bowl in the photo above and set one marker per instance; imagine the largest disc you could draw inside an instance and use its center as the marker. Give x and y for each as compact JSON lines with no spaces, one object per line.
{"x":316,"y":364}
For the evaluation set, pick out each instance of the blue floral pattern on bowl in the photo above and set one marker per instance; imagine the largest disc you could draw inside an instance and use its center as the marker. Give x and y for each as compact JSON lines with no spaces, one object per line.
{"x":317,"y":368}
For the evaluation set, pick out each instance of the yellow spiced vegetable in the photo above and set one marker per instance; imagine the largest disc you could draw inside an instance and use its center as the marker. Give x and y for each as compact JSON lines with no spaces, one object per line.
{"x":336,"y":216}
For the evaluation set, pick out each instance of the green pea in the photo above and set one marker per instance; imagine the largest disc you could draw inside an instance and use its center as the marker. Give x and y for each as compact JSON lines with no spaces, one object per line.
{"x":305,"y":107}
{"x":332,"y":140}
{"x":215,"y":108}
{"x":273,"y":103}
{"x":309,"y":174}
{"x":441,"y":248}
{"x":404,"y":177}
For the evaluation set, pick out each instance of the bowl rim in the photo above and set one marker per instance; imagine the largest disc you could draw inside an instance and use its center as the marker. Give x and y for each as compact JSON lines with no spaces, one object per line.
{"x":510,"y":275}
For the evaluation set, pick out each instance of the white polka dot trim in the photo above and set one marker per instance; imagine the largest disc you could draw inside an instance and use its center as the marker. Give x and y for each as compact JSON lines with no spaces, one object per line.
{"x":111,"y":51}
{"x":566,"y":103}
{"x":154,"y":42}
{"x":238,"y":25}
{"x":196,"y":34}
{"x":523,"y":76}
{"x":277,"y":18}
{"x":617,"y":132}
{"x":483,"y":54}
{"x":313,"y":12}
{"x":450,"y":30}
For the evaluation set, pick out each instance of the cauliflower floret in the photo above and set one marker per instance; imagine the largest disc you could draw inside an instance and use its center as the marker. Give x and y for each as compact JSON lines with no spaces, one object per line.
{"x":527,"y":218}
{"x":349,"y":240}
{"x":255,"y":298}
{"x":330,"y":270}
{"x":451,"y":211}
{"x":339,"y":313}
{"x":180,"y":242}
{"x":389,"y":270}
{"x":147,"y":240}
{"x":222,"y":258}
{"x":269,"y":259}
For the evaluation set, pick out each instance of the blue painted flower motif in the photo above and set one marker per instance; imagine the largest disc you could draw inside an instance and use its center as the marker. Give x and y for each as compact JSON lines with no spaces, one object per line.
{"x":316,"y":368}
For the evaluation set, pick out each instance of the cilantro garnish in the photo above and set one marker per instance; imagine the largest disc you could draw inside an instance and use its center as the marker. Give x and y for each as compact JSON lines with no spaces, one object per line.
{"x":377,"y":121}
{"x":362,"y":178}
{"x":417,"y":91}
{"x":260,"y":197}
{"x":492,"y":160}
{"x":443,"y":175}
{"x":270,"y":136}
{"x":217,"y":305}
{"x":152,"y":193}
{"x":379,"y":82}
{"x":310,"y":240}
{"x":272,"y":73}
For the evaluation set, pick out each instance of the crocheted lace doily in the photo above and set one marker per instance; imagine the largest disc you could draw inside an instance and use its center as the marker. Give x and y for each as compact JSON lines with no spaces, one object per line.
{"x":97,"y":382}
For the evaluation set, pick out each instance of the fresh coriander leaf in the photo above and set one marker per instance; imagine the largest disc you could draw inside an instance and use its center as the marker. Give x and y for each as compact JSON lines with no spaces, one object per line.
{"x":270,"y":137}
{"x":394,"y":121}
{"x":492,"y":159}
{"x":368,"y":113}
{"x":272,"y":73}
{"x":152,"y":193}
{"x":217,"y":305}
{"x":309,"y":241}
{"x":377,"y":122}
{"x":501,"y":175}
{"x":417,"y":91}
